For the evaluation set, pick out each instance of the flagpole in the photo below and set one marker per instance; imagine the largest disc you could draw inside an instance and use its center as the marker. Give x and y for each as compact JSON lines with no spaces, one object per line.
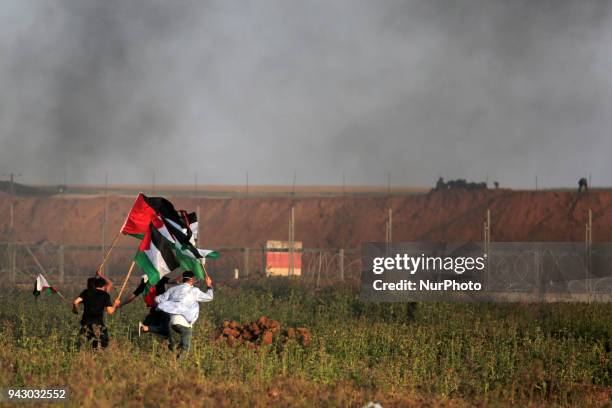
{"x":111,"y":248}
{"x":43,"y":272}
{"x":109,"y":251}
{"x":112,"y":245}
{"x":127,"y":277}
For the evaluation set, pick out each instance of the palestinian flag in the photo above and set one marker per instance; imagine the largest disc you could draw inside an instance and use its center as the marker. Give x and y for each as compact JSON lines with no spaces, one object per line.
{"x":195,"y":264}
{"x":41,"y":285}
{"x":190,"y":257}
{"x":186,"y":237}
{"x":139,"y":218}
{"x":146,"y":209}
{"x":193,"y":227}
{"x":179,"y":228}
{"x":185,"y":233}
{"x":156,"y":253}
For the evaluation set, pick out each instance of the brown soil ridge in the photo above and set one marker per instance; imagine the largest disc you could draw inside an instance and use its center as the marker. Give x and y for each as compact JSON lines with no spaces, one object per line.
{"x":328,"y":222}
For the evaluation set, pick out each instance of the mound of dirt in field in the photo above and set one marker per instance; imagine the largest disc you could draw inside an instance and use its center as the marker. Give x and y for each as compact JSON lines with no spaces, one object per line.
{"x":260,"y":332}
{"x":329,"y":222}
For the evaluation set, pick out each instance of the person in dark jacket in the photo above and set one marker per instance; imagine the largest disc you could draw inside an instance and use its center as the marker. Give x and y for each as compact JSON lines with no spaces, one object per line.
{"x":156,"y":320}
{"x":96,"y":301}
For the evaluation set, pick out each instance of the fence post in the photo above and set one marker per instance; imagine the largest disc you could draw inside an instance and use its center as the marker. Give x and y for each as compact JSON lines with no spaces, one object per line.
{"x":539,"y":286}
{"x":341,"y":263}
{"x":263,"y":260}
{"x":291,"y":241}
{"x":60,"y":254}
{"x":13,"y":255}
{"x":319,"y":271}
{"x":589,"y":243}
{"x":487,"y":246}
{"x":246,"y":261}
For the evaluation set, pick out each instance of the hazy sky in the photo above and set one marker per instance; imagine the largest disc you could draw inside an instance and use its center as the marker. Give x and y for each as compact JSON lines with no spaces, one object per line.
{"x":418,"y":88}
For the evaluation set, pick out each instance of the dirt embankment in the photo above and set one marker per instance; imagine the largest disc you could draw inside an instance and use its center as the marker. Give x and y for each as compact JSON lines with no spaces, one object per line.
{"x":454,"y":215}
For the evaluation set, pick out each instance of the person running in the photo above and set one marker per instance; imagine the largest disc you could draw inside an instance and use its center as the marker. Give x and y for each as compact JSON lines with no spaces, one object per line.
{"x":156,"y":321}
{"x":181,"y":304}
{"x":95,"y":300}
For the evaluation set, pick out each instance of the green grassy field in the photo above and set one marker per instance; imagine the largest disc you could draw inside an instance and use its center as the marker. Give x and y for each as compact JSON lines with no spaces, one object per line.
{"x":445,"y":354}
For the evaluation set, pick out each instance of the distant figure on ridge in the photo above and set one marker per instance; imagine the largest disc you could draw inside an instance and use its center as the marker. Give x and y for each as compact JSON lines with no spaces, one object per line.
{"x":583,"y":185}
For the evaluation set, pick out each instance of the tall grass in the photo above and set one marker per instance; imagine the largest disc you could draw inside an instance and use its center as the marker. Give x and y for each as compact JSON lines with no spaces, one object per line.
{"x":452,"y":354}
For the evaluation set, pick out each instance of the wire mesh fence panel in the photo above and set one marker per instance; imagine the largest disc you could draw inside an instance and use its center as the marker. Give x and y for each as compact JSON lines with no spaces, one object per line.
{"x":73,"y":264}
{"x":41,"y":258}
{"x":600,"y":265}
{"x":229,"y":264}
{"x":5,"y":261}
{"x":326,"y":266}
{"x":321,"y":264}
{"x":541,"y":267}
{"x":21,"y":263}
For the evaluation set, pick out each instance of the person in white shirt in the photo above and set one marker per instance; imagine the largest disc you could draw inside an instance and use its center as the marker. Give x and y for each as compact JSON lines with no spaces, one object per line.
{"x":181,"y":303}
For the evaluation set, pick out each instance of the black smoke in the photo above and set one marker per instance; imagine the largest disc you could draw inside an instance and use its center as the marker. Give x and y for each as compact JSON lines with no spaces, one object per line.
{"x":470,"y":89}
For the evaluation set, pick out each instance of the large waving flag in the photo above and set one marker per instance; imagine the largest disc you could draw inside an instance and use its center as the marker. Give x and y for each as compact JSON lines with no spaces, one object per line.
{"x":156,"y":256}
{"x":145,"y":209}
{"x":190,"y":257}
{"x":157,"y":222}
{"x":195,"y":264}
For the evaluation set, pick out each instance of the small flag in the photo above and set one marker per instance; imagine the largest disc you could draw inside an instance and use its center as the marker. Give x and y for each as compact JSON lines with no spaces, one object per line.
{"x":41,"y":285}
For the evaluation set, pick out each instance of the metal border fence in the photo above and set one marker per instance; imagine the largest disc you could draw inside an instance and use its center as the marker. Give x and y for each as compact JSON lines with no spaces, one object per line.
{"x":21,"y":262}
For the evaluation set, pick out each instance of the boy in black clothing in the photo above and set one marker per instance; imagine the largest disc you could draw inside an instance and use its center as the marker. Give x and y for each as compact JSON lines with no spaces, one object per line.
{"x":95,"y":301}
